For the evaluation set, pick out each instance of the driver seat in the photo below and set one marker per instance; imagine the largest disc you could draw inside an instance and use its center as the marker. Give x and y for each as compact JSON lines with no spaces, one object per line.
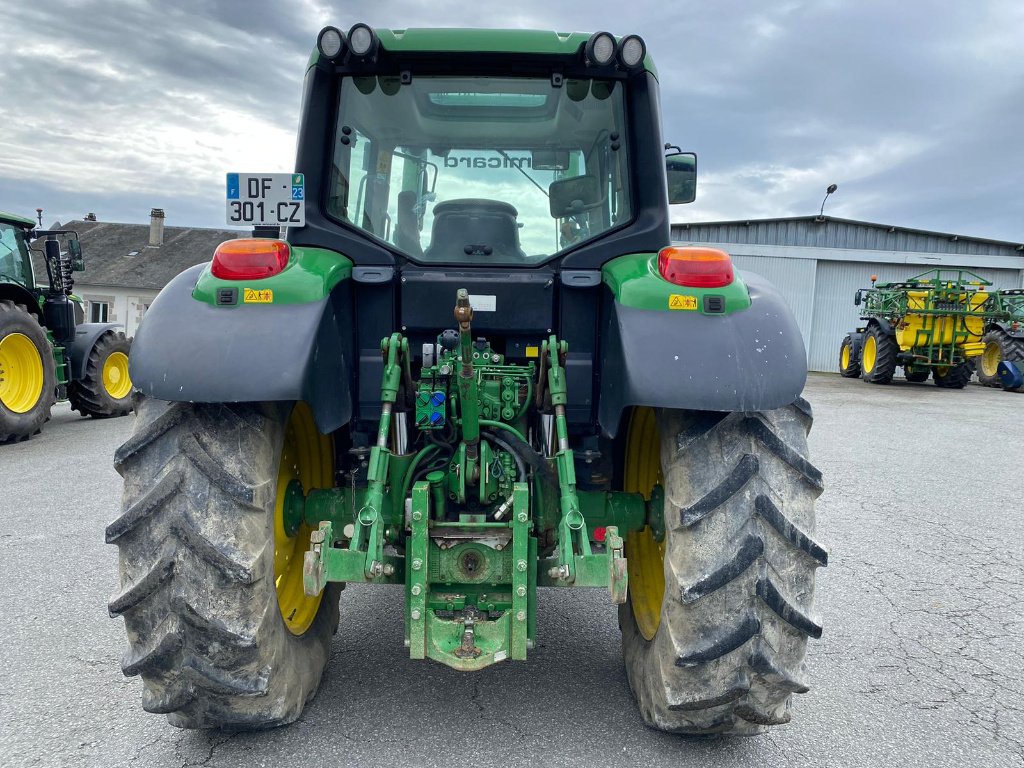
{"x":468,"y":228}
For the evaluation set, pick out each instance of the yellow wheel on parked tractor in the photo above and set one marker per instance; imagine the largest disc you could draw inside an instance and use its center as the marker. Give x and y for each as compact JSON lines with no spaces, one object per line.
{"x":28,"y":380}
{"x":645,"y":555}
{"x":719,"y":611}
{"x":870,"y":354}
{"x":104,"y":388}
{"x":210,"y":576}
{"x":878,"y":356}
{"x":21,"y":373}
{"x":116,"y":381}
{"x":307,"y":456}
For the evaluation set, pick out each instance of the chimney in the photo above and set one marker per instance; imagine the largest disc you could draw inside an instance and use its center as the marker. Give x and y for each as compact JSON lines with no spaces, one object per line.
{"x":156,"y":227}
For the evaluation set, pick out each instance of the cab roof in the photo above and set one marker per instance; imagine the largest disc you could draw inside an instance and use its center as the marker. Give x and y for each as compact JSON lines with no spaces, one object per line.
{"x":13,"y":218}
{"x":454,"y":40}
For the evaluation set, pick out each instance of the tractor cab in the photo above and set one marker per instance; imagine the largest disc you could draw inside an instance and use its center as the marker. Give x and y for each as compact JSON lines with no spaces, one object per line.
{"x":435,"y":166}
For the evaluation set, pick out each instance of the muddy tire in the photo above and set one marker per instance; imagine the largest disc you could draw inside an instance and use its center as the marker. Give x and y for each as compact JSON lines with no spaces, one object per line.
{"x":739,"y":565}
{"x":28,"y":378}
{"x":955,"y":377}
{"x":849,"y":358}
{"x":999,"y":345}
{"x":878,"y":356}
{"x":101,"y":392}
{"x":198,"y":597}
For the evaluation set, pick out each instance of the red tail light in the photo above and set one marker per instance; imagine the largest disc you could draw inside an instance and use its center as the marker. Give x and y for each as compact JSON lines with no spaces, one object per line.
{"x":695,"y":267}
{"x":249,"y":258}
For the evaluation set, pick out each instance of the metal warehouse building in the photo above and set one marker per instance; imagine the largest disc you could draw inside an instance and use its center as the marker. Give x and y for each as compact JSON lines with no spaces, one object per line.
{"x":818,"y":262}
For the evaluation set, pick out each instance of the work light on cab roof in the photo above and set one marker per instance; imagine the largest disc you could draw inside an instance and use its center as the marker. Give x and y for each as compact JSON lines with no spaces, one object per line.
{"x":330,"y":42}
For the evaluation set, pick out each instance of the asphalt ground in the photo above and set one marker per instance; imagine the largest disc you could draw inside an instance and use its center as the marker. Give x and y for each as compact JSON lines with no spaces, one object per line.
{"x":921,"y":662}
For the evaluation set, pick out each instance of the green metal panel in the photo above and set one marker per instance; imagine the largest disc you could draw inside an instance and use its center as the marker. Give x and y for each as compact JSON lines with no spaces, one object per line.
{"x":635,"y":281}
{"x":310,"y":275}
{"x":13,"y":218}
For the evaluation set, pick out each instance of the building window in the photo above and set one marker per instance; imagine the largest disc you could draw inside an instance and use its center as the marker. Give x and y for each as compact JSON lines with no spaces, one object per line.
{"x":98,"y":311}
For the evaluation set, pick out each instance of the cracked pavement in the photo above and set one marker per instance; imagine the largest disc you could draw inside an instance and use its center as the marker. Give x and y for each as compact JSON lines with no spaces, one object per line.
{"x":921,"y":662}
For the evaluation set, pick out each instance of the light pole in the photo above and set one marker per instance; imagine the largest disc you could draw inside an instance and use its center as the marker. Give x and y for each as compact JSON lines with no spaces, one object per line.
{"x":831,"y":188}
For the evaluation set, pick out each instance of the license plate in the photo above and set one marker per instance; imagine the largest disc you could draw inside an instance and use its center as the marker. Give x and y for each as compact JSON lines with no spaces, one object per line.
{"x":266,"y":199}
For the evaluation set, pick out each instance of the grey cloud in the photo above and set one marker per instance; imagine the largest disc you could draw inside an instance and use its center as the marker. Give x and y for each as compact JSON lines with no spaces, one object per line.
{"x":912,"y":108}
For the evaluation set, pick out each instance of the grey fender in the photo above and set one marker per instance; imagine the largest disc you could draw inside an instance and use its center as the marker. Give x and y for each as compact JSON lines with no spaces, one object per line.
{"x":186,"y":350}
{"x":881,"y":322}
{"x":1009,"y":329}
{"x":750,"y":360}
{"x":86,"y":336}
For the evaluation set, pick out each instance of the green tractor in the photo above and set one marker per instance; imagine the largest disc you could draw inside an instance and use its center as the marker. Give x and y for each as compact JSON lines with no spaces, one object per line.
{"x":475,"y":369}
{"x":46,"y":353}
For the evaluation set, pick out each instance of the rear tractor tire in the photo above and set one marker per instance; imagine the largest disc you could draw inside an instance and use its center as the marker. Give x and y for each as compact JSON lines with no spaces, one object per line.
{"x":878,"y":356}
{"x":218,"y":626}
{"x":106,"y":389}
{"x":28,"y":378}
{"x":715,"y":628}
{"x":849,"y":358}
{"x":952,"y":377}
{"x":999,"y":346}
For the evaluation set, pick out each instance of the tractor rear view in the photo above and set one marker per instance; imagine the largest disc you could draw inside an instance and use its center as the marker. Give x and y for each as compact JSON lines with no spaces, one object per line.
{"x":475,"y":370}
{"x":934,"y":323}
{"x":46,"y":354}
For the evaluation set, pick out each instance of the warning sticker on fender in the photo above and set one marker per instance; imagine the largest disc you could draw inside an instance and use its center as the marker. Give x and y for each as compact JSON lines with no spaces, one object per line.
{"x":253,"y":296}
{"x":679,"y":301}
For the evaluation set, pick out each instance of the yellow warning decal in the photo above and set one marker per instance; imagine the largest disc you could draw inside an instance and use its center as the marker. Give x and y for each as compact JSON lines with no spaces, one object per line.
{"x":678,"y":301}
{"x":533,"y":351}
{"x":253,"y":296}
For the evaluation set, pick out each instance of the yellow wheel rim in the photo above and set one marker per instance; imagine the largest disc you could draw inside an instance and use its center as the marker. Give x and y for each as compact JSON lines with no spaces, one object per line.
{"x":115,"y":375}
{"x":844,"y":357}
{"x":867,"y":359}
{"x":306,"y":456}
{"x":991,"y":358}
{"x":645,"y":556}
{"x":21,"y":373}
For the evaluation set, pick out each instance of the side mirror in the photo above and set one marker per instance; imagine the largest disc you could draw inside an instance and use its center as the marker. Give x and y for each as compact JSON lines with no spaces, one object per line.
{"x":681,"y":172}
{"x":856,"y":298}
{"x":77,"y":260}
{"x":568,"y":197}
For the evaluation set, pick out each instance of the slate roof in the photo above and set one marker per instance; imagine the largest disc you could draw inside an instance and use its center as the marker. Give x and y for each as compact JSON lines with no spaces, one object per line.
{"x":119,"y":255}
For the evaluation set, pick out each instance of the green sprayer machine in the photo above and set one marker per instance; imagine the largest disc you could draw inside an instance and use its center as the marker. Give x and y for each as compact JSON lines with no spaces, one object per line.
{"x":47,"y":353}
{"x":474,"y":369}
{"x":937,"y":323}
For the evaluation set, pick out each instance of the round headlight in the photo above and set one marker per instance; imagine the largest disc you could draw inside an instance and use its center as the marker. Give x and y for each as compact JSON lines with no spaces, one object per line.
{"x":361,"y":40}
{"x":600,"y":48}
{"x":632,"y":51}
{"x":330,"y":42}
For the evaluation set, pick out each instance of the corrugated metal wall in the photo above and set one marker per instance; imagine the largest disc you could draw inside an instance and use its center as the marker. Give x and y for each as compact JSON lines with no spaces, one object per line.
{"x":838,"y":233}
{"x":793,"y":277}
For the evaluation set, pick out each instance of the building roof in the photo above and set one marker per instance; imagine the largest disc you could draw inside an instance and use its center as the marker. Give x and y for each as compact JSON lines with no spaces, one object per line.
{"x":119,"y":255}
{"x":830,"y":232}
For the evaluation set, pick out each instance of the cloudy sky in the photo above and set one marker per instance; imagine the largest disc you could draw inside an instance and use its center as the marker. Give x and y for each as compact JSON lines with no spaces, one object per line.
{"x":914,"y":108}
